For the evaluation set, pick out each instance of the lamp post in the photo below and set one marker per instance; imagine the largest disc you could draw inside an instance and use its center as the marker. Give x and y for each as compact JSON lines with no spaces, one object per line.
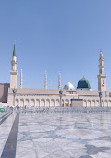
{"x":60,"y":94}
{"x":100,"y":96}
{"x":14,"y":95}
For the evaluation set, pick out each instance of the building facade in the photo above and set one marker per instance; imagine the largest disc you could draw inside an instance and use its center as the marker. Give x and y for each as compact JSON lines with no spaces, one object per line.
{"x":51,"y":97}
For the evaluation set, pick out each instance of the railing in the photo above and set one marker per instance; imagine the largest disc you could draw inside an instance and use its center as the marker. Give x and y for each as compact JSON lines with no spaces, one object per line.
{"x":76,"y":109}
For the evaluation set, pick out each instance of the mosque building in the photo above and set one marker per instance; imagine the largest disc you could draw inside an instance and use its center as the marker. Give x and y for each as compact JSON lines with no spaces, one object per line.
{"x":68,"y":96}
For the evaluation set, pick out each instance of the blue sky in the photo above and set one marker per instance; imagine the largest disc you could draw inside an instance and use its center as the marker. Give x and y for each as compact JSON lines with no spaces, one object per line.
{"x":63,"y":36}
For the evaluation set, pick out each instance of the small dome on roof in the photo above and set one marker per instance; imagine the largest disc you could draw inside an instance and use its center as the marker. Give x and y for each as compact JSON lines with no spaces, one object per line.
{"x":83,"y":84}
{"x":69,"y":86}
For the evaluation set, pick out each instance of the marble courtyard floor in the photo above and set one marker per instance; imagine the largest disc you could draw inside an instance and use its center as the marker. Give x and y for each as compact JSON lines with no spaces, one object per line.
{"x":56,"y":135}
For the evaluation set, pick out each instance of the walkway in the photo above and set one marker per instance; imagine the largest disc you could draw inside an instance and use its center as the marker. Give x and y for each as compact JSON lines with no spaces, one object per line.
{"x":49,"y":135}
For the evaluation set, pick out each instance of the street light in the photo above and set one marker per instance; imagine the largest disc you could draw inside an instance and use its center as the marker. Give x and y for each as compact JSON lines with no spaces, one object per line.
{"x":60,"y":94}
{"x":100,"y":96}
{"x":14,"y":94}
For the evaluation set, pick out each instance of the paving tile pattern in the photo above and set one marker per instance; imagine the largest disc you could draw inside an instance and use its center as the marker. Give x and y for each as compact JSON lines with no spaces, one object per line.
{"x":69,"y":135}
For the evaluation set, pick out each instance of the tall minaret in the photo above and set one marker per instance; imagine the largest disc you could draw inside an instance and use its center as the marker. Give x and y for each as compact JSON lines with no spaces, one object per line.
{"x":59,"y":81}
{"x":101,"y":76}
{"x":45,"y":81}
{"x":13,"y":71}
{"x":21,"y":79}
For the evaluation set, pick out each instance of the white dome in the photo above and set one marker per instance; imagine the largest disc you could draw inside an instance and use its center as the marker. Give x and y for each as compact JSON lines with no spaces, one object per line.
{"x":69,"y":86}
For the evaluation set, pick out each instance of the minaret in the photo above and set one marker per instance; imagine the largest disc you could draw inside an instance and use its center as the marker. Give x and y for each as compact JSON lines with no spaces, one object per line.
{"x":101,"y":76}
{"x":59,"y":81}
{"x":13,"y":71}
{"x":21,"y":79}
{"x":45,"y":81}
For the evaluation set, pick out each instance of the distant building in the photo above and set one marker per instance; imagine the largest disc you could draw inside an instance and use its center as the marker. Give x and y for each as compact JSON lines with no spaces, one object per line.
{"x":82,"y":96}
{"x":4,"y":92}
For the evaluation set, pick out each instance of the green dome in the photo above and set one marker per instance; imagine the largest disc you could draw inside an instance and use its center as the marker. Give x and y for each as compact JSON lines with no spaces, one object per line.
{"x":83,"y":84}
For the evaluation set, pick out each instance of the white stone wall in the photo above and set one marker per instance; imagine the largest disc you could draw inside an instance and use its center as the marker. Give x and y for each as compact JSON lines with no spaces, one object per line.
{"x":13,"y":79}
{"x":38,"y":100}
{"x":96,"y":102}
{"x":51,"y":98}
{"x":54,"y":100}
{"x":42,"y":100}
{"x":10,"y":100}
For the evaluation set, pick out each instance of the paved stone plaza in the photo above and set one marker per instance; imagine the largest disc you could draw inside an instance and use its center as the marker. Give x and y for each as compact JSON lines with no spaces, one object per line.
{"x":56,"y":135}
